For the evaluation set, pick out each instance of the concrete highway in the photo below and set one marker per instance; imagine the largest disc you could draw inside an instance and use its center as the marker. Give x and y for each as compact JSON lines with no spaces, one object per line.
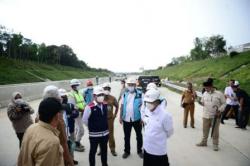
{"x":234,"y":143}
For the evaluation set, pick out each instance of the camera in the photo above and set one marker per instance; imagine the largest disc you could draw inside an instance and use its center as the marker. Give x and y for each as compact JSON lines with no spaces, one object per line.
{"x":23,"y":105}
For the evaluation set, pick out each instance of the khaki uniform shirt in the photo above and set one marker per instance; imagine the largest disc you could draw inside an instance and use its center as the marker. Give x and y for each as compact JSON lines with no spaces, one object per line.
{"x":210,"y":100}
{"x":111,"y":102}
{"x":189,"y":96}
{"x":41,"y":146}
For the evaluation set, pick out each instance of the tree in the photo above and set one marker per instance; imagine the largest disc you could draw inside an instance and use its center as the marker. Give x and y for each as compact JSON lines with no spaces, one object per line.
{"x":199,"y":52}
{"x":215,"y":45}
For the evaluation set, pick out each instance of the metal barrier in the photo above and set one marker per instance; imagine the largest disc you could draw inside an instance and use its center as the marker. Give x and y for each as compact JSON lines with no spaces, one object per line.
{"x":169,"y":84}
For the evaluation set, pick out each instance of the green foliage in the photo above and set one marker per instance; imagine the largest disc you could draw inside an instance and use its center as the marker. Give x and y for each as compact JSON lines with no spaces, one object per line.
{"x":17,"y":47}
{"x":18,"y":71}
{"x":215,"y":45}
{"x":222,"y":69}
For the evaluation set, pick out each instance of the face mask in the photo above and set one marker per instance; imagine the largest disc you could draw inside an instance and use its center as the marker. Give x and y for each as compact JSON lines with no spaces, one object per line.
{"x":107,"y":92}
{"x":76,"y":88}
{"x":100,"y":99}
{"x":90,"y":87}
{"x":150,"y":106}
{"x":131,"y":89}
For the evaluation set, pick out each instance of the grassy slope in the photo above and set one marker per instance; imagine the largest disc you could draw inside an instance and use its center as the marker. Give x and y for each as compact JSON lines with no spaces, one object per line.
{"x":223,"y":69}
{"x":14,"y":71}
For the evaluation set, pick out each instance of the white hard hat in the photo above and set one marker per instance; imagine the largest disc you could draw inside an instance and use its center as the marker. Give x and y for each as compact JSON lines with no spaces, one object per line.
{"x":75,"y":82}
{"x":62,"y":92}
{"x":131,"y":81}
{"x":236,"y":83}
{"x":152,"y":95}
{"x":151,"y":85}
{"x":105,"y":85}
{"x":98,"y":90}
{"x":51,"y":91}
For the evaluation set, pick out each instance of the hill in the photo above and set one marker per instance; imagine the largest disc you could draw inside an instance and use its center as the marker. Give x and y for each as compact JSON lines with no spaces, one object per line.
{"x":222,"y":69}
{"x":17,"y":71}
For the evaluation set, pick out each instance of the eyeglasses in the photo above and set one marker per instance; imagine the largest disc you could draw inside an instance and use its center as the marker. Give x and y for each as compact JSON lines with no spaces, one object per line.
{"x":100,"y":95}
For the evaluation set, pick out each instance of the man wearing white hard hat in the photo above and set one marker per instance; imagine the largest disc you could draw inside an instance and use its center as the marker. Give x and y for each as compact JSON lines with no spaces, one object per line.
{"x":158,"y":127}
{"x":76,"y":98}
{"x":130,"y":116}
{"x":152,"y":85}
{"x":96,"y":118}
{"x":244,"y":105}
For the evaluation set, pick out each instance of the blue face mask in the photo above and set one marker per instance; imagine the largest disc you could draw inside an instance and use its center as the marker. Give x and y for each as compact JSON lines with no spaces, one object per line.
{"x":131,"y":89}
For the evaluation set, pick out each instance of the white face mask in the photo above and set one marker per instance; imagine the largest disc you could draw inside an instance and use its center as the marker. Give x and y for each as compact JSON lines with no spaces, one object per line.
{"x":131,"y":89}
{"x":90,"y":87}
{"x":150,"y":106}
{"x":100,"y":99}
{"x":107,"y":92}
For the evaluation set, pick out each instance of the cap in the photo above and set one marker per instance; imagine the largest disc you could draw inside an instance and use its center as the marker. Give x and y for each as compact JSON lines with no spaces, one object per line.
{"x":98,"y":90}
{"x":207,"y":83}
{"x":236,"y":83}
{"x":75,"y":82}
{"x":131,"y":81}
{"x":151,"y":85}
{"x":62,"y":92}
{"x":89,"y":83}
{"x":106,"y":85}
{"x":152,"y":95}
{"x":51,"y":91}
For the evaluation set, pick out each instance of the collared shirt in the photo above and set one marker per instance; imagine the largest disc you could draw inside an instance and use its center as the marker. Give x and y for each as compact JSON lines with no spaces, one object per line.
{"x":158,"y":127}
{"x":130,"y":107}
{"x":189,"y":96}
{"x":229,"y":92}
{"x":87,"y":112}
{"x":111,"y":102}
{"x":211,"y":101}
{"x":41,"y":146}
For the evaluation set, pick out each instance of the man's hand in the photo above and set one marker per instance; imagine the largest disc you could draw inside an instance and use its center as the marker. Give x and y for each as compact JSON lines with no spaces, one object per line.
{"x":218,"y":113}
{"x":120,"y":120}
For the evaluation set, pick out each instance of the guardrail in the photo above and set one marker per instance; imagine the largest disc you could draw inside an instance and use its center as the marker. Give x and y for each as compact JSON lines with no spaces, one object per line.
{"x":168,"y":83}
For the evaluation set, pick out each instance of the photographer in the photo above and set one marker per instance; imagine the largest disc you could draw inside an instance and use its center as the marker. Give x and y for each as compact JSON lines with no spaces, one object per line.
{"x":19,"y":113}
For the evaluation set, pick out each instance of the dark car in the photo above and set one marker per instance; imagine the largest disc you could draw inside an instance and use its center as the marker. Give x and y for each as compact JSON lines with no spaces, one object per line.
{"x":145,"y":80}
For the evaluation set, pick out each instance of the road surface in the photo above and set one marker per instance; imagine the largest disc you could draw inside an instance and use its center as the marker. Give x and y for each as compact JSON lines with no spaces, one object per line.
{"x":234,"y":143}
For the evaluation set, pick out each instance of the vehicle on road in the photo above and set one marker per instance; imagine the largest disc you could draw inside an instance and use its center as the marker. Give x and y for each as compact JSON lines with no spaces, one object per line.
{"x":145,"y":80}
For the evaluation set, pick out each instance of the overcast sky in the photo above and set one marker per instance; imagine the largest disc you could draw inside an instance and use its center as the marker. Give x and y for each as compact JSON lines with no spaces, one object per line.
{"x":124,"y":35}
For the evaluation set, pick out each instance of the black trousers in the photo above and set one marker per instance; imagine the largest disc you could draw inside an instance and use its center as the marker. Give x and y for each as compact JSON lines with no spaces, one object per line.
{"x":153,"y":160}
{"x":20,"y":137}
{"x":127,"y":126}
{"x":227,"y":108}
{"x":94,"y":142}
{"x":244,"y":117}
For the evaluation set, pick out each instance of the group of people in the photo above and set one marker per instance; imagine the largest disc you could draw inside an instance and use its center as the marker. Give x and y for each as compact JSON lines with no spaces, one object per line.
{"x":216,"y":107}
{"x":58,"y":128}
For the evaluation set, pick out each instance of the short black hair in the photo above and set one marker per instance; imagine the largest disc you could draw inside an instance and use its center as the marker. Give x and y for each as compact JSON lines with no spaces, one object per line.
{"x":48,"y":108}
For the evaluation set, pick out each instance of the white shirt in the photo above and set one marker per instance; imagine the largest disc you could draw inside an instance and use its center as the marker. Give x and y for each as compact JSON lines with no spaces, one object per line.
{"x":130,"y":107}
{"x":229,"y":92}
{"x":210,"y":100}
{"x":158,"y":127}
